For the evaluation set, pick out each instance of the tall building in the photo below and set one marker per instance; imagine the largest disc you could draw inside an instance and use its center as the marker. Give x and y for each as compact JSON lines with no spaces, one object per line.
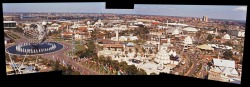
{"x":205,"y":18}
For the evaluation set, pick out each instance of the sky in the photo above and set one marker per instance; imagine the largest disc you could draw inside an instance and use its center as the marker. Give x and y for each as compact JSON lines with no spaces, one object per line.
{"x":211,"y":11}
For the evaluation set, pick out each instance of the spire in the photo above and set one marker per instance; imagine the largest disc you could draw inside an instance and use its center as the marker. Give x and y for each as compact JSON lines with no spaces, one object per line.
{"x":169,"y":41}
{"x":218,"y":55}
{"x":167,"y":23}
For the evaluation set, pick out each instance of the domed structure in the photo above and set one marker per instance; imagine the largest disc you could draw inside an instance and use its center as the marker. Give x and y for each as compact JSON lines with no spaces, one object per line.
{"x":35,"y":34}
{"x":190,"y":29}
{"x":88,"y":22}
{"x":44,"y":23}
{"x":226,"y":36}
{"x":162,"y":56}
{"x":188,"y":40}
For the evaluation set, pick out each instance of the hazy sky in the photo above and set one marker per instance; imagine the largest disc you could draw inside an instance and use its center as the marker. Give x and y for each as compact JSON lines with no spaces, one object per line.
{"x":211,"y":11}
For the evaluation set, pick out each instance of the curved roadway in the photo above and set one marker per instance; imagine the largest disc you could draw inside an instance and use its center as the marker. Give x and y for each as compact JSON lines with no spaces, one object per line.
{"x":60,"y":55}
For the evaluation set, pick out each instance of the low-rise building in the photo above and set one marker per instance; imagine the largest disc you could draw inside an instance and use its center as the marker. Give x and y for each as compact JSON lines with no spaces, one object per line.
{"x":223,"y":70}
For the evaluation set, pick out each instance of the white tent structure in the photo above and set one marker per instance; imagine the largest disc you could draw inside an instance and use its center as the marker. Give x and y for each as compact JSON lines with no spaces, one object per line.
{"x":205,"y":47}
{"x":226,"y":36}
{"x":190,"y":29}
{"x":225,"y":66}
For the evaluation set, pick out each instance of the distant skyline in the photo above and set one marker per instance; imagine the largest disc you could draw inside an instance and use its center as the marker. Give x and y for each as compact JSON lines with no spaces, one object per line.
{"x":211,"y":11}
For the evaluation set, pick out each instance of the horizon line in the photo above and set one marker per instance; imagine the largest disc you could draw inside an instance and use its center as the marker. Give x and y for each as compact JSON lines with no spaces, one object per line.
{"x":130,"y":14}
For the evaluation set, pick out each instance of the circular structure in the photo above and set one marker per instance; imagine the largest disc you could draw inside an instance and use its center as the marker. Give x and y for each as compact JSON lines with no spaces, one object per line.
{"x":42,"y":48}
{"x":35,"y":34}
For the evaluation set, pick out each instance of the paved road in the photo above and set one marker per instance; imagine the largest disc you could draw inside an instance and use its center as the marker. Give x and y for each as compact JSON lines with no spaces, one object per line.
{"x":60,"y":55}
{"x":195,"y":63}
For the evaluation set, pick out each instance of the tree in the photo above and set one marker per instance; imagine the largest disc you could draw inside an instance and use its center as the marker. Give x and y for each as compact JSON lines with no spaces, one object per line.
{"x":150,"y":51}
{"x":123,"y":65}
{"x":56,"y":66}
{"x":132,"y":70}
{"x":141,"y":72}
{"x":130,"y":50}
{"x":229,"y":43}
{"x":210,"y":37}
{"x":68,"y":71}
{"x":143,"y":50}
{"x":152,"y":73}
{"x":218,"y":37}
{"x":228,"y":54}
{"x":136,"y":50}
{"x":78,"y":53}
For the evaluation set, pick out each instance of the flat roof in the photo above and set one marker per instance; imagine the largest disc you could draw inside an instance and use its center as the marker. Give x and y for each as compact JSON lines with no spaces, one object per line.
{"x":9,"y":21}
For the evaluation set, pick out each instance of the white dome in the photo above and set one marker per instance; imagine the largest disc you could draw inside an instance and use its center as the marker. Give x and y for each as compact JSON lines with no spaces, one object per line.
{"x":44,"y":23}
{"x":162,"y":56}
{"x":226,"y":36}
{"x":88,"y":22}
{"x":190,"y":29}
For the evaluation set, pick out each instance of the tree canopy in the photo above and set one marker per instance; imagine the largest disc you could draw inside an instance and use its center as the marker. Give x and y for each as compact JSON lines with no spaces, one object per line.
{"x":228,"y":54}
{"x":210,"y":37}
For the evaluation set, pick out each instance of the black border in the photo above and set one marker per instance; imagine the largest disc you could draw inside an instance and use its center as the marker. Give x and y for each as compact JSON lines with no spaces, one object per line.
{"x":167,"y":79}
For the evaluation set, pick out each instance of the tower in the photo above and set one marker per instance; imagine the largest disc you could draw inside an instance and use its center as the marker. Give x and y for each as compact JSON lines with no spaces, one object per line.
{"x":117,"y":34}
{"x":205,"y":19}
{"x":167,"y":23}
{"x":169,"y":41}
{"x":216,"y":32}
{"x":159,"y":37}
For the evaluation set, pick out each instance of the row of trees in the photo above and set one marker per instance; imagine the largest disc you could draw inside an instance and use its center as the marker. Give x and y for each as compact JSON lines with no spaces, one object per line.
{"x":66,"y":70}
{"x":140,"y":32}
{"x":122,"y":66}
{"x":90,"y":50}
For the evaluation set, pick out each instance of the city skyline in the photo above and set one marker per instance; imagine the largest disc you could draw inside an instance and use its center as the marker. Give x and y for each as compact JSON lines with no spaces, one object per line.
{"x":211,"y":11}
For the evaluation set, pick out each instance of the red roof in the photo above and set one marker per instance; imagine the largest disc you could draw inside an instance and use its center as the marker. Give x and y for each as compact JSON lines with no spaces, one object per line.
{"x":83,"y":29}
{"x":155,"y":23}
{"x":113,"y":45}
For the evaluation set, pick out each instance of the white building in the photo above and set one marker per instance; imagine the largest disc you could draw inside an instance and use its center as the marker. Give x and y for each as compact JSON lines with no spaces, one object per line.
{"x":226,"y":36}
{"x":90,"y":29}
{"x":237,"y":33}
{"x":190,"y":30}
{"x":177,"y":24}
{"x":188,"y":41}
{"x":124,"y":38}
{"x":174,"y":31}
{"x":210,"y":32}
{"x":223,"y":70}
{"x":6,"y":40}
{"x":225,"y":66}
{"x":149,"y":46}
{"x":163,"y":56}
{"x":54,"y":27}
{"x":10,"y":24}
{"x":99,"y":23}
{"x":79,"y":36}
